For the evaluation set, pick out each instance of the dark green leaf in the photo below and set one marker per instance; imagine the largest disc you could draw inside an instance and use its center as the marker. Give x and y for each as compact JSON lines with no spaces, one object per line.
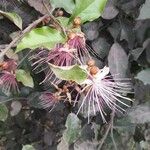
{"x":34,"y":101}
{"x":145,"y":11}
{"x":63,"y":144}
{"x":118,"y":61}
{"x":136,"y":53}
{"x":73,"y":125}
{"x":140,"y":114}
{"x":41,"y":37}
{"x":85,"y":145}
{"x":24,"y":77}
{"x":15,"y":108}
{"x":144,"y":76}
{"x":3,"y":112}
{"x":125,"y":124}
{"x":15,"y":18}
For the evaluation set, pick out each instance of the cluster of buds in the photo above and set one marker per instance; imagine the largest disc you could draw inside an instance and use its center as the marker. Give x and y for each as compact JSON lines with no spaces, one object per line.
{"x":8,"y":82}
{"x":74,"y":51}
{"x":99,"y":89}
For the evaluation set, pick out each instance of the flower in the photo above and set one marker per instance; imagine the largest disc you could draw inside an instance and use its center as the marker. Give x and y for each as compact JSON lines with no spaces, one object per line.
{"x":38,"y":60}
{"x":49,"y":99}
{"x":101,"y":91}
{"x":9,"y":65}
{"x":77,"y":41}
{"x":61,"y":55}
{"x":8,"y":82}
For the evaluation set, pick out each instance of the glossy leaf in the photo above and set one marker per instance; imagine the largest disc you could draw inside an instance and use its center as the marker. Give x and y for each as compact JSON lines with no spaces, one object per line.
{"x":15,"y":108}
{"x":110,"y":12}
{"x":41,"y":37}
{"x":145,"y":11}
{"x":88,"y":10}
{"x":75,"y":73}
{"x":73,"y":125}
{"x":118,"y":61}
{"x":39,"y":5}
{"x":24,"y":77}
{"x":144,"y":76}
{"x":68,"y":5}
{"x":3,"y":112}
{"x":15,"y":18}
{"x":63,"y":144}
{"x":140,"y":114}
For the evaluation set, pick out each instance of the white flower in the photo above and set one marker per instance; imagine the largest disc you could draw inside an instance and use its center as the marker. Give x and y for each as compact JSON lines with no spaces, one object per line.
{"x":101,"y":91}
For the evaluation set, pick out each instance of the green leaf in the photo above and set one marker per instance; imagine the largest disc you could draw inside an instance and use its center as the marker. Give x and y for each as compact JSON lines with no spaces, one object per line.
{"x":41,"y":37}
{"x":73,"y":125}
{"x":28,"y":147}
{"x":144,"y":76}
{"x":88,"y":10}
{"x":75,"y":73}
{"x":24,"y":77}
{"x":3,"y":112}
{"x":64,"y":21}
{"x":68,"y":5}
{"x":15,"y":18}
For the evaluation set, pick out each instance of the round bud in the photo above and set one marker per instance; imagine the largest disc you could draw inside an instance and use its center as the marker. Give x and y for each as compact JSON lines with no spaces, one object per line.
{"x":71,"y":35}
{"x":94,"y":70}
{"x":77,"y":21}
{"x":65,"y":89}
{"x":91,"y":62}
{"x":60,"y":13}
{"x":5,"y":65}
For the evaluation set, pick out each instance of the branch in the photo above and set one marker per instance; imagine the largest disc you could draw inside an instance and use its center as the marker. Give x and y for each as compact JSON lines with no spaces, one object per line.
{"x":108,"y":129}
{"x":112,"y":134}
{"x":19,"y":37}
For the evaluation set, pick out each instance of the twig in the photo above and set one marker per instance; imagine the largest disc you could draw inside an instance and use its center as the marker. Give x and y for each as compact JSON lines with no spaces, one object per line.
{"x":108,"y":129}
{"x":54,"y":19}
{"x":22,"y":60}
{"x":19,"y":37}
{"x":104,"y":137}
{"x":111,"y":132}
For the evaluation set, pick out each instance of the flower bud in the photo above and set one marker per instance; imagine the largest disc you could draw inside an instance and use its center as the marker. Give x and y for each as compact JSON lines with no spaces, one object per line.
{"x":71,"y":35}
{"x":77,"y":21}
{"x":5,"y":65}
{"x":91,"y":62}
{"x":94,"y":70}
